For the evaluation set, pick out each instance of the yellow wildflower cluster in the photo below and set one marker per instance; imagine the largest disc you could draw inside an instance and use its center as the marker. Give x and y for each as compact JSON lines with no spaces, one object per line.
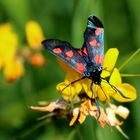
{"x":11,"y":65}
{"x":11,"y":57}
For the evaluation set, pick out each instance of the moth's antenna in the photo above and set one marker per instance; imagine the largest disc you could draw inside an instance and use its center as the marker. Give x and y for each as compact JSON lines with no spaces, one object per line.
{"x":115,"y":88}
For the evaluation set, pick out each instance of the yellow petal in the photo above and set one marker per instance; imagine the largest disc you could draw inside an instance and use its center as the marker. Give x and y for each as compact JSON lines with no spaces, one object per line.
{"x":86,"y":83}
{"x":34,"y":34}
{"x":110,"y":59}
{"x":13,"y":70}
{"x":69,"y":92}
{"x":128,"y":91}
{"x":1,"y":63}
{"x":105,"y":73}
{"x":73,"y":89}
{"x":6,"y":27}
{"x":115,"y":78}
{"x":104,"y":93}
{"x":8,"y":43}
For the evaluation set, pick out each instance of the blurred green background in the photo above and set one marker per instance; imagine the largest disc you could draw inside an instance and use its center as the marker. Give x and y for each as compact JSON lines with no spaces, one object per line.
{"x":66,"y":20}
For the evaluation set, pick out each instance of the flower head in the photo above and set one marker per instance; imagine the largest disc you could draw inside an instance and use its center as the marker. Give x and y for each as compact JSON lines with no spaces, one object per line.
{"x":34,"y":34}
{"x":9,"y":61}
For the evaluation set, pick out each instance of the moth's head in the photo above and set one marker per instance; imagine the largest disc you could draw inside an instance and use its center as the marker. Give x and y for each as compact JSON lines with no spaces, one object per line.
{"x":94,"y":22}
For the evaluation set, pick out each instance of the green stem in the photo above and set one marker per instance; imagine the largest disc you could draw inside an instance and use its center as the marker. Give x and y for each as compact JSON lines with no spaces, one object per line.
{"x":129,"y":59}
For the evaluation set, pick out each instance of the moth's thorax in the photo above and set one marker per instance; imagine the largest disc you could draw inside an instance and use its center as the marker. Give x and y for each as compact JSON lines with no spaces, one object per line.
{"x":94,"y":74}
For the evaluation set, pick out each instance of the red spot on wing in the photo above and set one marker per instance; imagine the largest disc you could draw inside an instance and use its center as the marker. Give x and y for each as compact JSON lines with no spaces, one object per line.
{"x":69,"y":53}
{"x":79,"y":51}
{"x":93,"y":42}
{"x":80,"y":67}
{"x":85,"y":51}
{"x":57,"y":50}
{"x":68,"y":58}
{"x":98,"y":59}
{"x":98,"y":31}
{"x":98,"y":45}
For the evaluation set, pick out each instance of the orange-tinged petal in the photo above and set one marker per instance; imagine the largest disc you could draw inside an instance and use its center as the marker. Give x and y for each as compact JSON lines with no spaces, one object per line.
{"x":115,"y":78}
{"x":128,"y":91}
{"x":65,"y":66}
{"x":73,"y":76}
{"x":82,"y":117}
{"x":75,"y":116}
{"x":110,"y":59}
{"x":101,"y":95}
{"x":73,"y":120}
{"x":51,"y":107}
{"x":34,"y":34}
{"x":37,"y":60}
{"x":103,"y":120}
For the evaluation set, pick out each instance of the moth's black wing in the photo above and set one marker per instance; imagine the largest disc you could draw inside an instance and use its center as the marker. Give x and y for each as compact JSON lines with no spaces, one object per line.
{"x":94,"y":41}
{"x":67,"y":53}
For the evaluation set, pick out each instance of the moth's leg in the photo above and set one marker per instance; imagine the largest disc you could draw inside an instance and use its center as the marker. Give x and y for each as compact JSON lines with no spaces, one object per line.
{"x":115,"y":89}
{"x":96,"y":101}
{"x":73,"y":82}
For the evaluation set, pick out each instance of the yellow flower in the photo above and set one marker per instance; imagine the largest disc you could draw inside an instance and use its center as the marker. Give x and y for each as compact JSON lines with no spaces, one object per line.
{"x":12,"y":67}
{"x":114,"y":79}
{"x":13,"y":70}
{"x":34,"y":34}
{"x":71,"y":91}
{"x":103,"y":92}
